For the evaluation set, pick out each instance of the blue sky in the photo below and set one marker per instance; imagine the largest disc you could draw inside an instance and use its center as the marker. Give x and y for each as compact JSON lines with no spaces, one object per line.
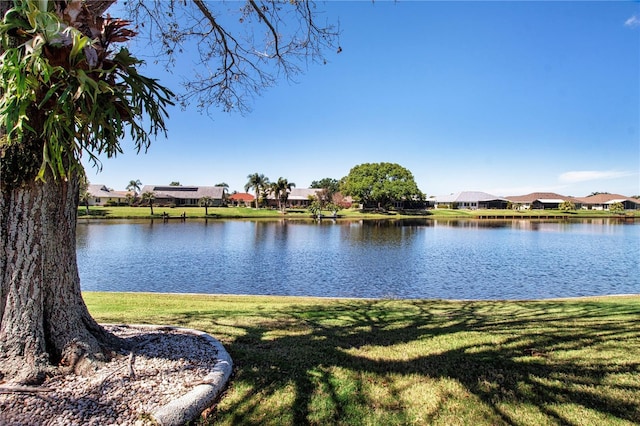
{"x":502,"y":97}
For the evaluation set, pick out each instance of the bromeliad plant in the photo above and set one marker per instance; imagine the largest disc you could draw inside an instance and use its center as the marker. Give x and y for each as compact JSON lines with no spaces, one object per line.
{"x":64,"y":86}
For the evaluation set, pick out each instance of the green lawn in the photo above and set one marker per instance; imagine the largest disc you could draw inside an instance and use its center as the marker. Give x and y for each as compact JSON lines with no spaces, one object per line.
{"x":97,"y":212}
{"x":385,"y":362}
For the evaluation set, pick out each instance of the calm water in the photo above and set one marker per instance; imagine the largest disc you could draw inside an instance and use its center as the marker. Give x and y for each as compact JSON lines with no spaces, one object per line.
{"x":402,"y":259}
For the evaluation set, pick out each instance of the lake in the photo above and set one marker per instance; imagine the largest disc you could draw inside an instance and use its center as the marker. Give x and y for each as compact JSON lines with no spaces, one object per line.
{"x":421,"y":258}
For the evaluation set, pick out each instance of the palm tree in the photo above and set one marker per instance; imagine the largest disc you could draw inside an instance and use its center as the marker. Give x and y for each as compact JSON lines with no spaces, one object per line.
{"x":275,"y":190}
{"x":281,"y":190}
{"x":134,"y":186}
{"x":84,"y":198}
{"x":83,"y":191}
{"x":131,"y":197}
{"x":225,"y":191}
{"x":148,"y":197}
{"x":257,"y":182}
{"x":207,"y":202}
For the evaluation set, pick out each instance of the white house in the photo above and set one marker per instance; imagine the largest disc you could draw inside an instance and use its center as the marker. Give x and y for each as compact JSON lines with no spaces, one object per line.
{"x":100,"y":195}
{"x":471,"y":200}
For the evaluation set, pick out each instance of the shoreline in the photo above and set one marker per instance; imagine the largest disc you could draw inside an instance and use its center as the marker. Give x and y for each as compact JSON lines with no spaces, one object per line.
{"x":221,"y":213}
{"x":289,"y":297}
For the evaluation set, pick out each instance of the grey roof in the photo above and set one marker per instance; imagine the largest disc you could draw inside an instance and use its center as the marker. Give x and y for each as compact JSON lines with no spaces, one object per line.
{"x":303,"y":193}
{"x":101,"y":191}
{"x":298,"y":194}
{"x":467,"y":197}
{"x":184,"y":192}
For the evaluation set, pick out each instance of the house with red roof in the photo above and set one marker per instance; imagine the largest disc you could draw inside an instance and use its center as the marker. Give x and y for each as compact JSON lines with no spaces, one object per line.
{"x":241,"y":199}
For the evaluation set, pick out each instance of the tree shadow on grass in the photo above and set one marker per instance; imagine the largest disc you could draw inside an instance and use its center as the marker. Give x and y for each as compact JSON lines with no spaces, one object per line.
{"x":491,"y":362}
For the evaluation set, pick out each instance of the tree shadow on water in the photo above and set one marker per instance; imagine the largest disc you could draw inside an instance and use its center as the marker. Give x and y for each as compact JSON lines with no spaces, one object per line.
{"x":356,"y":362}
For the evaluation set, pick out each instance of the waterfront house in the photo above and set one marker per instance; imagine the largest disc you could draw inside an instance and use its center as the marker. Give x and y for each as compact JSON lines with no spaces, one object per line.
{"x":298,"y":197}
{"x":185,"y":196}
{"x":100,"y":195}
{"x":471,"y":200}
{"x":604,"y":202}
{"x":241,"y":199}
{"x":540,"y":201}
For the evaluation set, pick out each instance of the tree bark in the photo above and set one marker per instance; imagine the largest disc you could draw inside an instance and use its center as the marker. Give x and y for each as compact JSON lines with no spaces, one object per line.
{"x":43,"y":320}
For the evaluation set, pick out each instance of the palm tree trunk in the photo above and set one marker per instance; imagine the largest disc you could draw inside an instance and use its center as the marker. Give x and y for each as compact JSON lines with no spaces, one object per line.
{"x":257,"y":189}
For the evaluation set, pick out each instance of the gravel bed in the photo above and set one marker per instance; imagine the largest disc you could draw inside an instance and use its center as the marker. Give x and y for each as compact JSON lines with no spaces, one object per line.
{"x":166,"y":364}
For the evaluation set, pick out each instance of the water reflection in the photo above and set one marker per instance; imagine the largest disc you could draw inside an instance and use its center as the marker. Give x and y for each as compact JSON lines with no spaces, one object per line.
{"x":421,"y":258}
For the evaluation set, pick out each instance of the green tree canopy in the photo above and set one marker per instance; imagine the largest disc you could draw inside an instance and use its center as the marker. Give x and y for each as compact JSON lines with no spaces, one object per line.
{"x":328,"y":187}
{"x":70,"y":92}
{"x":380,"y":184}
{"x":330,"y":184}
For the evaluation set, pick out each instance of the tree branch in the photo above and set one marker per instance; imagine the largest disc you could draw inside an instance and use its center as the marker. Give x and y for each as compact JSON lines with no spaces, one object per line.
{"x":237,"y":58}
{"x":268,"y":24}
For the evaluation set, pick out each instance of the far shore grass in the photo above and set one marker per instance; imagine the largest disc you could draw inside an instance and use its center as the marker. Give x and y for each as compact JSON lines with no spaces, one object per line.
{"x":99,"y":212}
{"x":410,"y":362}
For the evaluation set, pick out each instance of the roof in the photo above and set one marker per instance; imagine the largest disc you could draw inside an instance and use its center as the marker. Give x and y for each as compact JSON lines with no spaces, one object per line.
{"x":539,"y":196}
{"x":467,"y":197}
{"x":303,"y":193}
{"x":241,"y":196}
{"x":185,"y":192}
{"x":606,"y":199}
{"x":101,"y":191}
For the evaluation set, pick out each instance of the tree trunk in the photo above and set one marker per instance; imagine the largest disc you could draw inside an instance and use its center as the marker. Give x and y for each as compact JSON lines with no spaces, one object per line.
{"x":43,"y":320}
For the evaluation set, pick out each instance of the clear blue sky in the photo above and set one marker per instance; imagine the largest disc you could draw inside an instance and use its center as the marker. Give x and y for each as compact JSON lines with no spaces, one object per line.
{"x":502,"y":97}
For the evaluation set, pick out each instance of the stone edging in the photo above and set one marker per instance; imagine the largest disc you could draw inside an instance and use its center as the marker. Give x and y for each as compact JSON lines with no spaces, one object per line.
{"x":189,"y":406}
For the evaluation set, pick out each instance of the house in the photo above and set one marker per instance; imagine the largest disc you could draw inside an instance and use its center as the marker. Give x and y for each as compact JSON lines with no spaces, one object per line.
{"x":241,"y":199}
{"x":471,"y":200}
{"x":604,"y":202}
{"x":298,"y":197}
{"x":185,"y":196}
{"x":540,"y":201}
{"x":100,"y":195}
{"x":302,"y":197}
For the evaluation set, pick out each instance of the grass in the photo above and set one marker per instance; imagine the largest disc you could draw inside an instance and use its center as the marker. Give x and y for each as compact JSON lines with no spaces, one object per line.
{"x":404,"y":362}
{"x":99,"y":212}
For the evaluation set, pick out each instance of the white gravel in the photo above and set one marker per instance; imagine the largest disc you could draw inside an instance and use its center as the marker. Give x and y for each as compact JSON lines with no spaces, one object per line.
{"x":167,"y":364}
